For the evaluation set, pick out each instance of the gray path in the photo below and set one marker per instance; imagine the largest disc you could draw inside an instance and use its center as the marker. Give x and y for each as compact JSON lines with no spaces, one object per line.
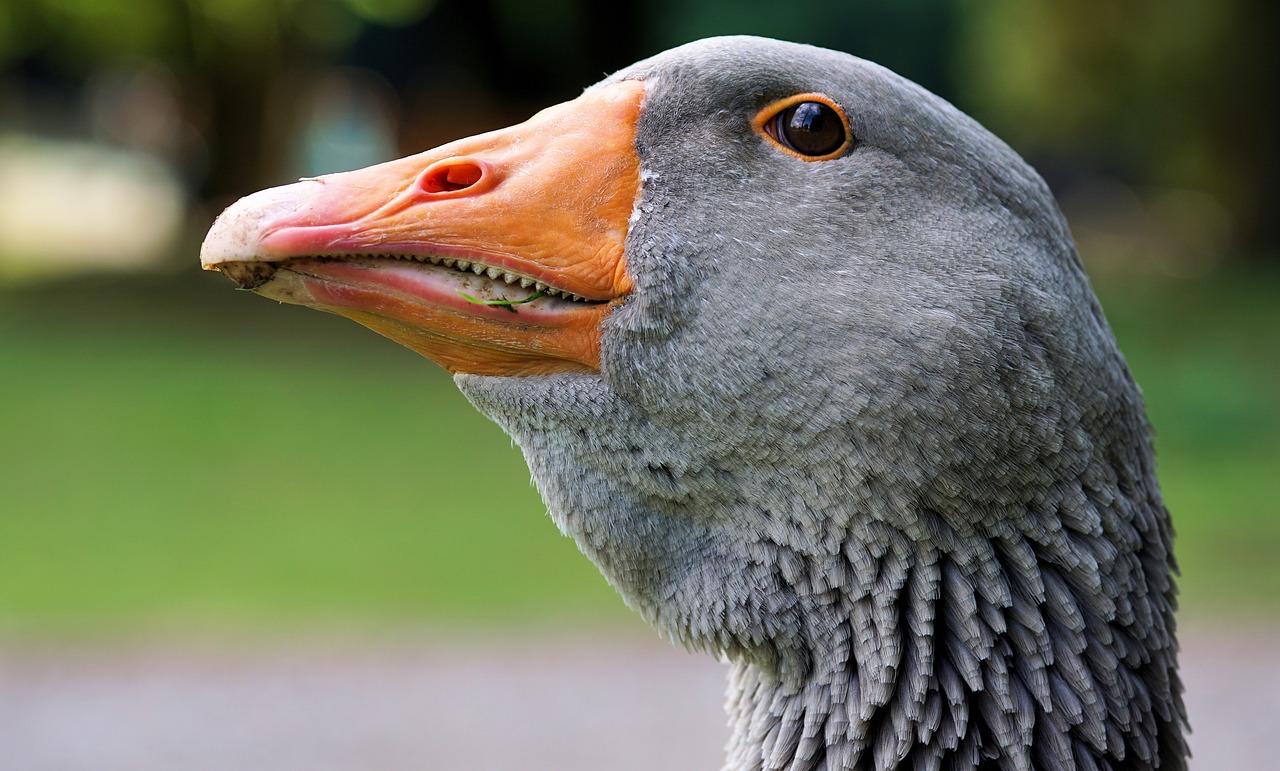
{"x":609,"y":705}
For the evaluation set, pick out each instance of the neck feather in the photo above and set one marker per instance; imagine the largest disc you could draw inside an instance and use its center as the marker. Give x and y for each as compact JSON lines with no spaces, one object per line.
{"x":1004,"y":660}
{"x":877,"y":620}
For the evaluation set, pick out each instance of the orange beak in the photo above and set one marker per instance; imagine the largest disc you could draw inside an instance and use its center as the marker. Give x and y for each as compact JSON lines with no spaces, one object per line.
{"x":499,"y":254}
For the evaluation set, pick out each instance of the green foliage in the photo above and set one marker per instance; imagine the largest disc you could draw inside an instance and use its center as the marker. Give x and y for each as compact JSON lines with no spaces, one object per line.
{"x":83,"y":34}
{"x":1176,"y":93}
{"x":183,"y":457}
{"x":390,"y":13}
{"x":505,"y":304}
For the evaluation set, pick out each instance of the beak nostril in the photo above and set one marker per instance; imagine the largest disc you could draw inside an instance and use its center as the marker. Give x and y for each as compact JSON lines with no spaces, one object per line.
{"x":463,"y":176}
{"x":451,"y":175}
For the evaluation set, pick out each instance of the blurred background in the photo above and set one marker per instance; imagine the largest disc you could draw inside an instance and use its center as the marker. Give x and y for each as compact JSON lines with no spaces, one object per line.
{"x":189,"y":474}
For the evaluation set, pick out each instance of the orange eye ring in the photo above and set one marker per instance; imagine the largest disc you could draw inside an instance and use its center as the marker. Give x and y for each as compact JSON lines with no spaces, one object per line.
{"x":803,"y":113}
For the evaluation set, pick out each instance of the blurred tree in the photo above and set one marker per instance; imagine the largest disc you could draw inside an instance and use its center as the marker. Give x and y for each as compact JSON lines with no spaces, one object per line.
{"x":1172,"y":93}
{"x":231,"y":57}
{"x":239,"y":59}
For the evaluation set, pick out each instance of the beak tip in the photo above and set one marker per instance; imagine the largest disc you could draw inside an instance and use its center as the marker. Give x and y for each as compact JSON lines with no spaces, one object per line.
{"x":234,"y":236}
{"x":237,"y":233}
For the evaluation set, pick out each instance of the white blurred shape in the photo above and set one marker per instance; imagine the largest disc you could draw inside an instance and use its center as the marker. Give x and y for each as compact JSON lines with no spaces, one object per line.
{"x":72,"y":206}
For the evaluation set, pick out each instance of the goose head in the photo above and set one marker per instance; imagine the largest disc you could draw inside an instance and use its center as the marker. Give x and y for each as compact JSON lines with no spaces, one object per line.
{"x":805,"y":361}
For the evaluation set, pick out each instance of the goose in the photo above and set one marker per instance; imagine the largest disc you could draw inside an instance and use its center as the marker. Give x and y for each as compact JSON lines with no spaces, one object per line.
{"x":805,"y":361}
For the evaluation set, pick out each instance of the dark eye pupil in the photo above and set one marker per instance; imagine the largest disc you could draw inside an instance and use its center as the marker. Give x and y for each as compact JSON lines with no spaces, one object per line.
{"x":811,"y":128}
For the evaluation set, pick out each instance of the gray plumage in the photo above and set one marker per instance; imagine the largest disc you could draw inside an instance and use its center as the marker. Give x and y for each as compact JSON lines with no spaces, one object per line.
{"x":863,"y":431}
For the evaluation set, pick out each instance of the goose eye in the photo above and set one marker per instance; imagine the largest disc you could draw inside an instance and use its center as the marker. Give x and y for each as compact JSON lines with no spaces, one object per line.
{"x":810,"y":128}
{"x":808,"y":125}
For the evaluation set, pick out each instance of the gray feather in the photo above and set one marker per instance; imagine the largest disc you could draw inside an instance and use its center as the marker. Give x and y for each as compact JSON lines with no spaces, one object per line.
{"x":863,"y":431}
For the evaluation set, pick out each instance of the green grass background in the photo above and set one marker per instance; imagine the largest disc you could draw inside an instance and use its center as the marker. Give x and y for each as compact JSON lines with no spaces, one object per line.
{"x":177,"y":456}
